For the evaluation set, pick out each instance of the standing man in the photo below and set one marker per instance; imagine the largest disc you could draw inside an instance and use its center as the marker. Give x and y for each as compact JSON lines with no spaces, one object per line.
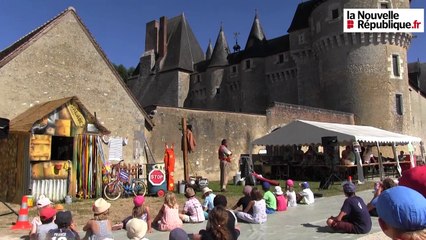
{"x":225,"y":161}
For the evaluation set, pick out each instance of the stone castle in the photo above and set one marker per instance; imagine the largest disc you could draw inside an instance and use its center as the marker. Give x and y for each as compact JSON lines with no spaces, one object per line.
{"x":315,"y":64}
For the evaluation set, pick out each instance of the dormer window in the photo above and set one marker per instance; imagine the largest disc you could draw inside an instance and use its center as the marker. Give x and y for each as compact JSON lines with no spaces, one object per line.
{"x":384,"y":4}
{"x":302,"y":38}
{"x":234,"y":69}
{"x":280,"y":58}
{"x":335,"y":13}
{"x":198,"y":78}
{"x":247,"y":64}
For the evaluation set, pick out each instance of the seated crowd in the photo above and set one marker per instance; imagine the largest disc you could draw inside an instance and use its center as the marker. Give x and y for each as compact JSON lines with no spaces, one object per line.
{"x":401,"y":212}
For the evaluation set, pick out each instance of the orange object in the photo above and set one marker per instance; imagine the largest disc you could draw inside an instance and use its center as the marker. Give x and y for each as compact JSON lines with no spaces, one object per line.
{"x":169,"y":161}
{"x":350,"y":179}
{"x":23,"y":222}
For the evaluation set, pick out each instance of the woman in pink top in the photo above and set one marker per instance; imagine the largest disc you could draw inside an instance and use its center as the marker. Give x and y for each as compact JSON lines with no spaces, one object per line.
{"x":167,"y":218}
{"x":281,"y":200}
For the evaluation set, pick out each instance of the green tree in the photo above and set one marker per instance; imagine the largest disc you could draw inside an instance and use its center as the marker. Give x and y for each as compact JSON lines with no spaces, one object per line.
{"x":123,"y":71}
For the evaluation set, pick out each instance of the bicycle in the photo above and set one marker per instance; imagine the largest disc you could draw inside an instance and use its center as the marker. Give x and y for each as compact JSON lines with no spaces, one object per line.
{"x":121,"y":185}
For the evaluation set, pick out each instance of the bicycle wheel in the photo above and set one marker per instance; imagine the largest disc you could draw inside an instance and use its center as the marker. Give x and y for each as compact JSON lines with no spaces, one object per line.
{"x":113,"y":190}
{"x":139,"y":188}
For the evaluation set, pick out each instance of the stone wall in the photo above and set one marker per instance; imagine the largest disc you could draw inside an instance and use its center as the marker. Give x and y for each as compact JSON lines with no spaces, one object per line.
{"x":65,"y":62}
{"x":210,"y":127}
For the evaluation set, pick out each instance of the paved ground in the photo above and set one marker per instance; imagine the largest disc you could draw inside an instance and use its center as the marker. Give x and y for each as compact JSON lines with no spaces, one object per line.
{"x":301,"y":222}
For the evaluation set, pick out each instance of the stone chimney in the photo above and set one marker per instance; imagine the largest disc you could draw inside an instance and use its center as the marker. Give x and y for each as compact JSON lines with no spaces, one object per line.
{"x":162,"y":43}
{"x":151,"y":36}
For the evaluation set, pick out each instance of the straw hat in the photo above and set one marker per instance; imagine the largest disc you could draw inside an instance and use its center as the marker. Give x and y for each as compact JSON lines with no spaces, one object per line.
{"x":278,"y":190}
{"x":206,"y":190}
{"x":100,"y":206}
{"x":189,"y":192}
{"x":136,"y":228}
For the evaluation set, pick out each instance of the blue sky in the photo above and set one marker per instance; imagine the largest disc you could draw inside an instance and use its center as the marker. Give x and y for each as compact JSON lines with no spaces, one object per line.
{"x":119,"y":26}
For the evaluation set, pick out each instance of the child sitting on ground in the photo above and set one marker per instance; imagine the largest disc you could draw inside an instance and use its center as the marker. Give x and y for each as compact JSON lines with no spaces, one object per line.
{"x":139,"y":211}
{"x":271,"y":201}
{"x":42,"y":202}
{"x":136,"y":229}
{"x":167,"y":218}
{"x":47,"y":217}
{"x":281,"y":200}
{"x":192,"y":210}
{"x":208,"y":205}
{"x":290,"y":193}
{"x":259,"y":209}
{"x":245,"y":200}
{"x":66,"y":228}
{"x":100,"y":227}
{"x":306,"y":196}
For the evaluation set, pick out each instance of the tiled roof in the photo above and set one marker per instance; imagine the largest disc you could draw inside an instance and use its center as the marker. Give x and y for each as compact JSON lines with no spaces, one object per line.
{"x":417,"y":76}
{"x":183,"y":49}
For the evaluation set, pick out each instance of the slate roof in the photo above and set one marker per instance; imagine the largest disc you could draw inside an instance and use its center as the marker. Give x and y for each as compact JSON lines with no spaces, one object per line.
{"x":183,"y":49}
{"x":271,"y":47}
{"x":25,"y":121}
{"x":256,"y":37}
{"x":302,"y":14}
{"x":417,"y":76}
{"x":209,"y":51}
{"x":220,"y":51}
{"x":16,"y":48}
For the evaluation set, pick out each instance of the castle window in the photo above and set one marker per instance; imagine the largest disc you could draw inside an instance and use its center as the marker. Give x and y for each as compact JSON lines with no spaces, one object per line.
{"x":334,"y":13}
{"x":248,"y":64}
{"x":217,"y":91}
{"x":198,"y":78}
{"x":280,"y":58}
{"x":399,"y":105}
{"x":384,"y":4}
{"x":302,"y":38}
{"x":234,"y":69}
{"x":395,"y":66}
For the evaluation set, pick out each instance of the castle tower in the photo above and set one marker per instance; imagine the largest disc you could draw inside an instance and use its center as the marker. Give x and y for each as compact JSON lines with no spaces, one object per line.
{"x":209,"y":51}
{"x":362,"y":73}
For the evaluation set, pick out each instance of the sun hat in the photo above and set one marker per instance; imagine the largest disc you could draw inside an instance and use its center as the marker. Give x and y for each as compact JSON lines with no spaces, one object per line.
{"x":63,"y":218}
{"x":100,"y":206}
{"x":247,"y":189}
{"x":414,"y":178}
{"x":136,"y":228}
{"x":402,"y":208}
{"x":290,"y":183}
{"x":189,"y":192}
{"x":47,"y":213}
{"x":349,"y":187}
{"x":278,"y":190}
{"x":304,"y":185}
{"x":138,"y":200}
{"x":178,"y":234}
{"x":266,"y":185}
{"x":206,"y":190}
{"x":43,"y":202}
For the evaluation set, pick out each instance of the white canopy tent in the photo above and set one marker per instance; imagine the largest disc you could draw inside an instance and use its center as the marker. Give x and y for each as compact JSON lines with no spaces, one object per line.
{"x":302,"y":132}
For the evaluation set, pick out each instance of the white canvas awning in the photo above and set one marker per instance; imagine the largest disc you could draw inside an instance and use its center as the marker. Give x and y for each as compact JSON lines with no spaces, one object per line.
{"x":301,"y":132}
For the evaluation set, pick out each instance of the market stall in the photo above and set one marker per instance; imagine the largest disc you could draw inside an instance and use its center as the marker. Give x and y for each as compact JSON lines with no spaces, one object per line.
{"x":53,"y":149}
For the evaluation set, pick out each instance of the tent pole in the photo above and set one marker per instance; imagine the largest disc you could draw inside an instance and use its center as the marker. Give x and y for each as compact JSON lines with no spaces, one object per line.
{"x":411,"y":151}
{"x":395,"y":156}
{"x":360,"y":171}
{"x":380,"y":161}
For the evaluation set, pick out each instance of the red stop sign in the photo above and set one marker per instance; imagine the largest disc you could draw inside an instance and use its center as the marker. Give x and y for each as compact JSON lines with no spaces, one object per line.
{"x":156,"y":177}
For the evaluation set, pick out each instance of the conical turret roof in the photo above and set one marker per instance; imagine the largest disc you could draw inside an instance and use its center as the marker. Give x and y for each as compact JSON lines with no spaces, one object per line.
{"x":256,"y":36}
{"x":220,"y":51}
{"x":209,"y":50}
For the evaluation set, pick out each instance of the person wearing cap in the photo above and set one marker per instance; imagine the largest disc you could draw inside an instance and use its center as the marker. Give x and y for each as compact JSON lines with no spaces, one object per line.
{"x":178,"y":234}
{"x":42,"y":202}
{"x":192,"y":210}
{"x":259,"y":209}
{"x":281,"y":200}
{"x":381,"y":186}
{"x":208,"y":196}
{"x":415,"y":178}
{"x":244,"y":201}
{"x":290,"y":193}
{"x":100,"y":227}
{"x":402,"y":213}
{"x":136,"y":229}
{"x":139,"y":211}
{"x":270,"y":200}
{"x":47,"y":217}
{"x":65,"y":228}
{"x":168,"y":217}
{"x":353,"y":216}
{"x":225,"y":163}
{"x":306,"y":196}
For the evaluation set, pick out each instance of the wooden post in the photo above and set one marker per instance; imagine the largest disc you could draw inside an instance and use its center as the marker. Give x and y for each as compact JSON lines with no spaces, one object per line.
{"x":185,"y":151}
